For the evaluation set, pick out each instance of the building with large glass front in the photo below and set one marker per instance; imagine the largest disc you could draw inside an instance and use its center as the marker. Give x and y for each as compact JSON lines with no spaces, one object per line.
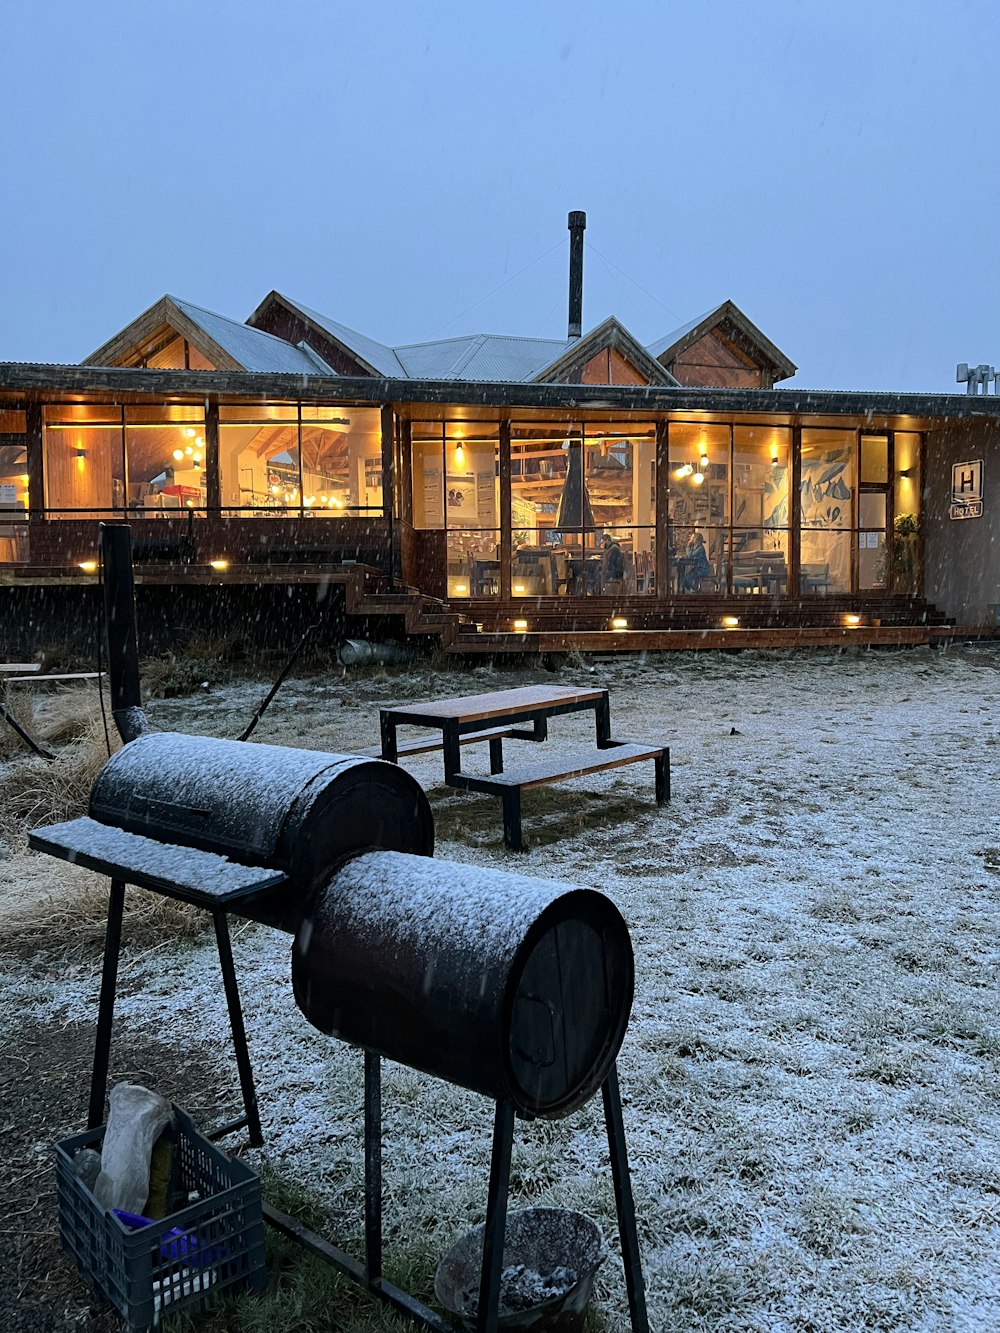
{"x":508,"y":493}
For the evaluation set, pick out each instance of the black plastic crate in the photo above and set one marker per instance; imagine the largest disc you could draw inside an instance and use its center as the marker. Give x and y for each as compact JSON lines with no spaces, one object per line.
{"x":179,"y":1261}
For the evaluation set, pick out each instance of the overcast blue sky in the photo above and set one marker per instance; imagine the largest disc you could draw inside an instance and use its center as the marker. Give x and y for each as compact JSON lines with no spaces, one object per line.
{"x":830,"y":167}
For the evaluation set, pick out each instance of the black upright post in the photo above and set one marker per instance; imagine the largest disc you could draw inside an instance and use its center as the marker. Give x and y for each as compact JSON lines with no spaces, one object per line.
{"x":238,"y":1029}
{"x":577,"y":224}
{"x":123,"y":640}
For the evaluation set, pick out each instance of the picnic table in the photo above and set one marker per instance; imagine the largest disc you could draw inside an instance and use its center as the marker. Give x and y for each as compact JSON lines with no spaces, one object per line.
{"x":501,"y":714}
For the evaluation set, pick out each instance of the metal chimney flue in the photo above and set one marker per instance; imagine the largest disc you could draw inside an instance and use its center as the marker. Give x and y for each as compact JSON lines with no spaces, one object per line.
{"x":577,"y":226}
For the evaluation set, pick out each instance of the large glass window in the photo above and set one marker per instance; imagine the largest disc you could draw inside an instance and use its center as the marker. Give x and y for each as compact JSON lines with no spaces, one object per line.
{"x":828,"y":485}
{"x":165,"y":459}
{"x":699,"y":507}
{"x":456,"y":487}
{"x":906,"y":513}
{"x":583,"y":508}
{"x":278,"y":459}
{"x":84,"y":460}
{"x":760,"y":545}
{"x":13,"y":485}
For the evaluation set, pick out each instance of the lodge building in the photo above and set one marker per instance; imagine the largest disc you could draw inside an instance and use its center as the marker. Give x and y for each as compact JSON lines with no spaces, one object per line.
{"x":506,"y":494}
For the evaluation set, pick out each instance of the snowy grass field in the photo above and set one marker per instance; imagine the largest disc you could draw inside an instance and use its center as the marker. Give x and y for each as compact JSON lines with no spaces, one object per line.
{"x":810,"y":1074}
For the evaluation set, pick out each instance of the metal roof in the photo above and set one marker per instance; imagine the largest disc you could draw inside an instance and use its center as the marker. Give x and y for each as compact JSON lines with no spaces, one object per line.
{"x":489,"y":357}
{"x":251,"y":348}
{"x":660,"y":346}
{"x":381,"y":359}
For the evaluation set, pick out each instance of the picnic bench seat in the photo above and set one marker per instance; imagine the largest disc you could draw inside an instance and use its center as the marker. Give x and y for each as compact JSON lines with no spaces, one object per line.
{"x":53,"y":678}
{"x":430,"y":743}
{"x":510,"y":784}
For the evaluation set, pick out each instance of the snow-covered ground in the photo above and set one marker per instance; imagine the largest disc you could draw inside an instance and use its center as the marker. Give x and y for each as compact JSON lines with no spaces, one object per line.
{"x":810,"y":1074}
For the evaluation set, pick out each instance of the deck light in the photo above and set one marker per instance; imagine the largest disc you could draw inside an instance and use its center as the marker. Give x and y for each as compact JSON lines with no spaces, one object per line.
{"x":619,"y":623}
{"x":521,"y":626}
{"x":852,"y":619}
{"x":731,"y":622}
{"x":219,"y":564}
{"x":89,"y":566}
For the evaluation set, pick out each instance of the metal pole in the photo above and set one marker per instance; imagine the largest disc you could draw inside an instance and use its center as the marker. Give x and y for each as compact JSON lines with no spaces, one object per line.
{"x":625,"y":1204}
{"x":373,"y":1165}
{"x":496,"y":1219}
{"x":106,"y":1005}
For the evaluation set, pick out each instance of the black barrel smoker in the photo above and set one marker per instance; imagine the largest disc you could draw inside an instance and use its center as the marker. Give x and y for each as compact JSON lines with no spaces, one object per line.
{"x":517,"y":988}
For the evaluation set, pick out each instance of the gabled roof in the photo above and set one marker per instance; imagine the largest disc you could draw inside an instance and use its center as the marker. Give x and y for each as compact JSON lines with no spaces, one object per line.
{"x":494,"y":357}
{"x":227,"y":344}
{"x":608,"y":334}
{"x":730,"y":319}
{"x":372,"y":356}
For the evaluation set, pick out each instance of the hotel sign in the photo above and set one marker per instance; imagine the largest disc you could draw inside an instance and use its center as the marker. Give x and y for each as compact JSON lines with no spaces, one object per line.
{"x":967,"y":490}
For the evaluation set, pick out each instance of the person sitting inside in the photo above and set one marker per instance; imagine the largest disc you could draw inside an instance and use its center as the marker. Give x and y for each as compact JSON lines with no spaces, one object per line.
{"x":612,"y":561}
{"x":696,"y":565}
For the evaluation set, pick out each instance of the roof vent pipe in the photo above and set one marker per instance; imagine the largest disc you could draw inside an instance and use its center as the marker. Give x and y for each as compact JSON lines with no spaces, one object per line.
{"x":577,"y":226}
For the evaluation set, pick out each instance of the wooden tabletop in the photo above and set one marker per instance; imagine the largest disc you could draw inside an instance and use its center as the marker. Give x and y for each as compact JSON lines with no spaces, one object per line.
{"x":498,"y":704}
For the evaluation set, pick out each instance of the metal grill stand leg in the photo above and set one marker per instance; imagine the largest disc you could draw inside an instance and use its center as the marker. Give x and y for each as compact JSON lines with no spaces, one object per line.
{"x":625,"y":1204}
{"x":373,"y":1167}
{"x":496,"y":1219}
{"x":106,"y":1005}
{"x":243,"y":1065}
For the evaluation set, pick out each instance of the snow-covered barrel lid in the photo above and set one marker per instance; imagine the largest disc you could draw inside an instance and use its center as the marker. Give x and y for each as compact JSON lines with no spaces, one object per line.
{"x":302,"y":811}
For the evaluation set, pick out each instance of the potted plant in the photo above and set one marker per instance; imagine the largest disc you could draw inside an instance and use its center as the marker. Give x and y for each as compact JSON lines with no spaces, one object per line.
{"x":905,"y":571}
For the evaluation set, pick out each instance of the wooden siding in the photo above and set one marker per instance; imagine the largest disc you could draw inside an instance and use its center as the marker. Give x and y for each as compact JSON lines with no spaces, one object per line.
{"x":715,"y":363}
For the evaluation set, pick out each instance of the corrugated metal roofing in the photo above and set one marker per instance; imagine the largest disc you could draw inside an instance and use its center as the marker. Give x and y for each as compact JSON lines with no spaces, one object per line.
{"x":382,"y":359}
{"x":660,"y":346}
{"x":253,"y":349}
{"x":492,"y":357}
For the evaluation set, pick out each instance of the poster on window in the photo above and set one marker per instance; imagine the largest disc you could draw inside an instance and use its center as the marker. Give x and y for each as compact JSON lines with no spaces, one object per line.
{"x":460,"y":498}
{"x":433,"y":513}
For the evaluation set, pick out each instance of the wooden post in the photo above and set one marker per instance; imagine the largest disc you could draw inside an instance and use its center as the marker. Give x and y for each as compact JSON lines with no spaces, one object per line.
{"x":795,"y":513}
{"x":387,"y":419}
{"x":213,"y":479}
{"x":506,"y":511}
{"x":662,"y":512}
{"x":33,"y":447}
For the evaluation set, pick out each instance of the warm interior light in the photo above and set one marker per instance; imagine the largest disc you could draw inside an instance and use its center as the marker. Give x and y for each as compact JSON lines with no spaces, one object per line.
{"x":459,"y":453}
{"x":521,"y":626}
{"x":219,"y":564}
{"x":905,"y":471}
{"x":309,"y":500}
{"x":461,"y":587}
{"x":189,"y":451}
{"x":619,"y":622}
{"x":730,"y":622}
{"x":704,"y":461}
{"x":178,"y":455}
{"x":190,"y":432}
{"x":89,"y":566}
{"x":519,"y":587}
{"x":686,"y":470}
{"x":697,"y":479}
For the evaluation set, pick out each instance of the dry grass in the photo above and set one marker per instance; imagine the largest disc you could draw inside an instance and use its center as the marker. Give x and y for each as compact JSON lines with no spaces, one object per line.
{"x":46,"y":901}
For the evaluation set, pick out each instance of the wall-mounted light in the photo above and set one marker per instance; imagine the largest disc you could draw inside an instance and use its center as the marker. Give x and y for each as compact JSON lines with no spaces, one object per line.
{"x":89,"y":566}
{"x":730,"y":622}
{"x":81,"y":453}
{"x":619,"y":623}
{"x":459,"y":453}
{"x":905,"y":471}
{"x":219,"y":564}
{"x":521,"y":626}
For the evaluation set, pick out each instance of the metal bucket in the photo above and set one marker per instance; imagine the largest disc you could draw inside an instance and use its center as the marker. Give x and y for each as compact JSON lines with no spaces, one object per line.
{"x":550,"y":1258}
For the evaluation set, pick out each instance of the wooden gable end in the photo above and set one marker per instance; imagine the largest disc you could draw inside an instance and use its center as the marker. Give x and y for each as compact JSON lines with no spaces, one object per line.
{"x":607,"y":366}
{"x":281,"y":320}
{"x":715,"y":362}
{"x":163,"y":349}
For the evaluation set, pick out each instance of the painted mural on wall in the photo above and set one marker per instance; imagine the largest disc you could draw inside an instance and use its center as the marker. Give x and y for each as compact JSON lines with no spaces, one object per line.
{"x":827,"y":506}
